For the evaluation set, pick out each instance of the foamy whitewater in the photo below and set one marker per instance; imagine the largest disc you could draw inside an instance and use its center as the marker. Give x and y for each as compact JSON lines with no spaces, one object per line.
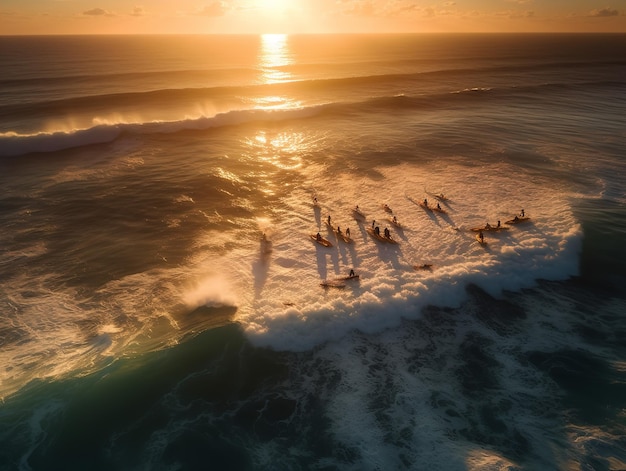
{"x":145,"y":322}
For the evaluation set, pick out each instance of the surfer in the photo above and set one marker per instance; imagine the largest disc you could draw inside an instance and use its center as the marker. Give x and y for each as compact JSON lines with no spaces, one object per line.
{"x":352,"y":274}
{"x":387,"y":233}
{"x":481,"y":236}
{"x":338,"y":230}
{"x":425,"y":202}
{"x":377,"y":230}
{"x":318,"y":236}
{"x":373,"y":222}
{"x":498,"y":223}
{"x":348,"y":232}
{"x":522,"y":212}
{"x":329,"y":219}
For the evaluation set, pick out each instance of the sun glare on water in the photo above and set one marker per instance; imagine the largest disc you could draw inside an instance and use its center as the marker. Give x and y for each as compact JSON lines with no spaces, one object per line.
{"x":273,"y":60}
{"x":273,"y":56}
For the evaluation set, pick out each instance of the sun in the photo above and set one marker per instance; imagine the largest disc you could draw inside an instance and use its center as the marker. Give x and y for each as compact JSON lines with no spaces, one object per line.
{"x":272,"y":6}
{"x":275,"y":6}
{"x":273,"y":16}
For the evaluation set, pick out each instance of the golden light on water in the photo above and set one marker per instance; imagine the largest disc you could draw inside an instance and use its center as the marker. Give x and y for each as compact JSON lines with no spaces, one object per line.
{"x":283,"y":150}
{"x":274,"y":57}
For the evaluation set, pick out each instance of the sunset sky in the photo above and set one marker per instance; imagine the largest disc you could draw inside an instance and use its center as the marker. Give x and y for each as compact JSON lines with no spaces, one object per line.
{"x":308,"y":16}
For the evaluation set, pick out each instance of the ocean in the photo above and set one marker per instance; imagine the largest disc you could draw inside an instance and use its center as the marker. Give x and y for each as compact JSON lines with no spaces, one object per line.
{"x":163,"y":305}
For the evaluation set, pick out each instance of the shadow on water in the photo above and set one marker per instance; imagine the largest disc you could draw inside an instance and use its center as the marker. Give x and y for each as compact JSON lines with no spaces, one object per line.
{"x":317,"y":213}
{"x":446,"y":217}
{"x":260,"y":271}
{"x":322,"y":256}
{"x":348,"y":254}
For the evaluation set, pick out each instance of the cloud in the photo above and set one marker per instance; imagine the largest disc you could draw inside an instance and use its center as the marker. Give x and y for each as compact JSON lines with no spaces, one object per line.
{"x":213,"y":9}
{"x":97,"y":12}
{"x":138,"y":11}
{"x":361,"y":9}
{"x":604,"y":12}
{"x":524,"y":15}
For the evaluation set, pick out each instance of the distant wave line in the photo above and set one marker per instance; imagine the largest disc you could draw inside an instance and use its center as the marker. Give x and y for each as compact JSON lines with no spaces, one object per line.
{"x":14,"y":143}
{"x":72,"y":104}
{"x":297,"y":68}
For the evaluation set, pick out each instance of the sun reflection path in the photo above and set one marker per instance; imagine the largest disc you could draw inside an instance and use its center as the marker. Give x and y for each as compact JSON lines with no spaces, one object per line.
{"x":274,"y":56}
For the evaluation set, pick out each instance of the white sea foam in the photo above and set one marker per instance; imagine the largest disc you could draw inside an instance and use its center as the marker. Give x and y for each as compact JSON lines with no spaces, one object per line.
{"x":277,"y":292}
{"x":287,"y":307}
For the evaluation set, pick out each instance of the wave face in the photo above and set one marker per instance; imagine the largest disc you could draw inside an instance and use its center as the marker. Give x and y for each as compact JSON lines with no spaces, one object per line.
{"x":145,"y":319}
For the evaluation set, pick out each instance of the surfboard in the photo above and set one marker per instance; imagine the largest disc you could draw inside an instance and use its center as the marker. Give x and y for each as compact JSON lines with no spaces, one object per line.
{"x":489,"y":229}
{"x":340,"y":235}
{"x":395,"y":223}
{"x":517,"y":221}
{"x":440,"y":196}
{"x":344,"y":237}
{"x":381,"y":237}
{"x":423,"y":266}
{"x":332,"y":284}
{"x":322,"y":241}
{"x":348,"y":277}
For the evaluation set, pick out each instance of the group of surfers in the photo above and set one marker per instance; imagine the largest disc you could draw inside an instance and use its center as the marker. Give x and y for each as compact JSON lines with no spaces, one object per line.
{"x":386,"y":232}
{"x":338,"y":230}
{"x":425,"y":203}
{"x":481,"y":237}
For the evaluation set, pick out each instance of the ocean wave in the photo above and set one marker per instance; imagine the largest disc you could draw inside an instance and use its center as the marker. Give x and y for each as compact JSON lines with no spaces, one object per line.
{"x":163,"y":90}
{"x":15,"y":143}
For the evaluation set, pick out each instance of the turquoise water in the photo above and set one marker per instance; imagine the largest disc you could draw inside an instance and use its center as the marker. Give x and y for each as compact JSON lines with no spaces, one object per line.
{"x":145,"y":325}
